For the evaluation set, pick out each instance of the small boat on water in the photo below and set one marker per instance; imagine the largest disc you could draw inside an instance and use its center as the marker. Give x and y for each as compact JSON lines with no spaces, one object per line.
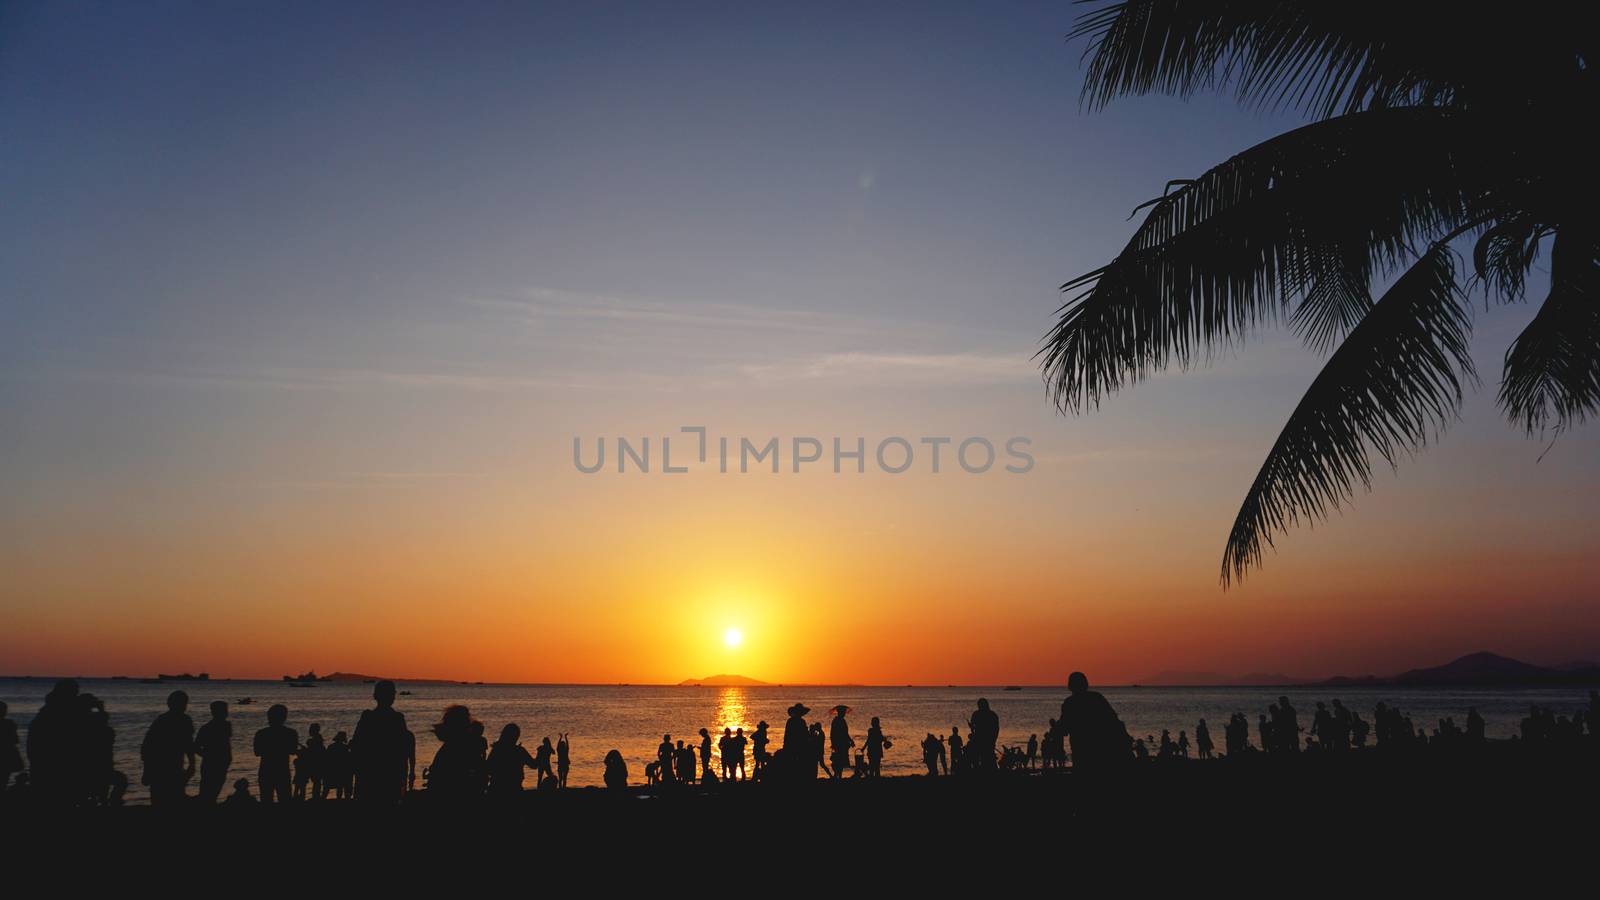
{"x":245,"y":701}
{"x":1012,"y":687}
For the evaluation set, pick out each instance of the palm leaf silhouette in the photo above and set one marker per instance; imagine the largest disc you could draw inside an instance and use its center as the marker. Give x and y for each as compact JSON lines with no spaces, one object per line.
{"x":1427,"y":126}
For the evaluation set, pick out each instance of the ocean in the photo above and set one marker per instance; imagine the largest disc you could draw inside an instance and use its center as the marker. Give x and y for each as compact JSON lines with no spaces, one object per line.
{"x":633,"y":718}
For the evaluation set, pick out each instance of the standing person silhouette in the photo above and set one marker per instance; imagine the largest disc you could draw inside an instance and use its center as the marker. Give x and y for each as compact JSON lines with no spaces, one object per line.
{"x":725,"y":752}
{"x":1202,"y":740}
{"x":1100,"y":743}
{"x":705,"y":756}
{"x":736,"y":768}
{"x":876,"y":744}
{"x":839,"y":741}
{"x":563,"y":757}
{"x":819,"y":748}
{"x":10,"y":751}
{"x":168,"y":752}
{"x":933,"y":754}
{"x":382,"y":749}
{"x":214,"y":744}
{"x":758,"y":745}
{"x":54,"y":772}
{"x":542,"y":759}
{"x":665,"y":758}
{"x":799,"y":754}
{"x":275,"y":744}
{"x":984,"y":731}
{"x":958,"y":749}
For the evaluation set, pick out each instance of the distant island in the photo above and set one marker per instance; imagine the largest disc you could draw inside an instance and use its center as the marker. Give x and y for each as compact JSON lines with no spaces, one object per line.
{"x":310,"y":677}
{"x":1483,"y":668}
{"x":1475,"y":669}
{"x":722,"y":681}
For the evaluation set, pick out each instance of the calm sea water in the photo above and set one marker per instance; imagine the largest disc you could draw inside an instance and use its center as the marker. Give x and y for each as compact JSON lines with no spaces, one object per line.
{"x":632,"y":719}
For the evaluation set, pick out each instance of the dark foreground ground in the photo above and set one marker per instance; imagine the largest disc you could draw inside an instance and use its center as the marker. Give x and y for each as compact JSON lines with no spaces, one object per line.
{"x":1497,"y":811}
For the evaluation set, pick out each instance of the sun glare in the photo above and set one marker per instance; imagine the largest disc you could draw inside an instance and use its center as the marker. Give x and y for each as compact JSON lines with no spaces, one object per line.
{"x":733,"y":637}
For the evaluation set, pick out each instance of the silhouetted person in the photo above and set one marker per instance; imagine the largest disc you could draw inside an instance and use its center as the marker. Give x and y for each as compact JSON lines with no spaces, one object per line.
{"x":725,"y":752}
{"x":1264,"y":726}
{"x":508,"y":761}
{"x":758,"y":746}
{"x":705,"y":754}
{"x":683,"y":760}
{"x":876,"y":745}
{"x":339,"y":768}
{"x":275,"y":744}
{"x":214,"y":744}
{"x":819,"y":748}
{"x":1033,"y":750}
{"x":168,"y":752}
{"x":839,"y":741}
{"x":1286,"y":726}
{"x":958,"y":749}
{"x":308,"y":765}
{"x":665,"y":759}
{"x":383,"y":750}
{"x":1183,"y":744}
{"x":563,"y":757}
{"x":241,"y":794}
{"x":983,"y":729}
{"x":1474,"y":725}
{"x":736,"y":768}
{"x":543,"y":760}
{"x":457,"y":771}
{"x":932,"y":754}
{"x":616,"y":776}
{"x":1202,"y":740}
{"x":1099,"y":740}
{"x":799,"y":753}
{"x":55,"y":754}
{"x":106,"y":785}
{"x":10,"y":751}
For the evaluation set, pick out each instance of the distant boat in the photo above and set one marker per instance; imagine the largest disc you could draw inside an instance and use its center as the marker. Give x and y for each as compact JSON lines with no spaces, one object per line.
{"x":1012,"y":687}
{"x":245,"y":701}
{"x":303,"y":677}
{"x":185,"y":677}
{"x":405,"y":693}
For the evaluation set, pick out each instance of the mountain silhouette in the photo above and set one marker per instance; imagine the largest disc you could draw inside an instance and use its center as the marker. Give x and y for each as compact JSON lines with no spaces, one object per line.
{"x":1482,"y":668}
{"x":721,"y":681}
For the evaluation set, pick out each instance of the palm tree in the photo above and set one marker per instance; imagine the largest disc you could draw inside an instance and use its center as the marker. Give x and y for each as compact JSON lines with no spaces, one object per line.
{"x":1428,"y":122}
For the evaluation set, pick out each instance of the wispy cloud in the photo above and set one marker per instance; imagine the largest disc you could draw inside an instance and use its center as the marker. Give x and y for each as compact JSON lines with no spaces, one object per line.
{"x":898,"y":368}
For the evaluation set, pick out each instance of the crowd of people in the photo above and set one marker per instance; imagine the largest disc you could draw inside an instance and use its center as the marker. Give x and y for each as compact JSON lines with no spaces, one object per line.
{"x":70,"y":749}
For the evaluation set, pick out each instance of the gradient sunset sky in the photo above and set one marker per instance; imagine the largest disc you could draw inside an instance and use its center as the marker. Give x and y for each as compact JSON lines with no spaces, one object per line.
{"x":304,"y":304}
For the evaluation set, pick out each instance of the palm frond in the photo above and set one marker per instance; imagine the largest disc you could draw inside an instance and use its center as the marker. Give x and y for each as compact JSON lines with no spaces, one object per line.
{"x":1505,"y":252}
{"x":1333,"y":305}
{"x":1552,"y":370}
{"x":1394,"y":381}
{"x":1325,"y":58}
{"x":1322,"y":207}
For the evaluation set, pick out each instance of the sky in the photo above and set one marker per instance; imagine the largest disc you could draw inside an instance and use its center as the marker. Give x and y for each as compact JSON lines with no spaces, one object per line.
{"x":304,"y":306}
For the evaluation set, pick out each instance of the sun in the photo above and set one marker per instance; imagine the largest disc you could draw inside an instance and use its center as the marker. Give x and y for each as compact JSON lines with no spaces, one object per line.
{"x":733,"y":637}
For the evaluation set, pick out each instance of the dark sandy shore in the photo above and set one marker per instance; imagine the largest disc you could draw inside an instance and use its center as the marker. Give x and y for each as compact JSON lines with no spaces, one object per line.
{"x":1468,"y":794}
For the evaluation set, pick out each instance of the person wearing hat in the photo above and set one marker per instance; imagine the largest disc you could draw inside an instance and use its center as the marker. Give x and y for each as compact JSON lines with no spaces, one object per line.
{"x":758,"y":750}
{"x":799,"y":761}
{"x":840,"y":741}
